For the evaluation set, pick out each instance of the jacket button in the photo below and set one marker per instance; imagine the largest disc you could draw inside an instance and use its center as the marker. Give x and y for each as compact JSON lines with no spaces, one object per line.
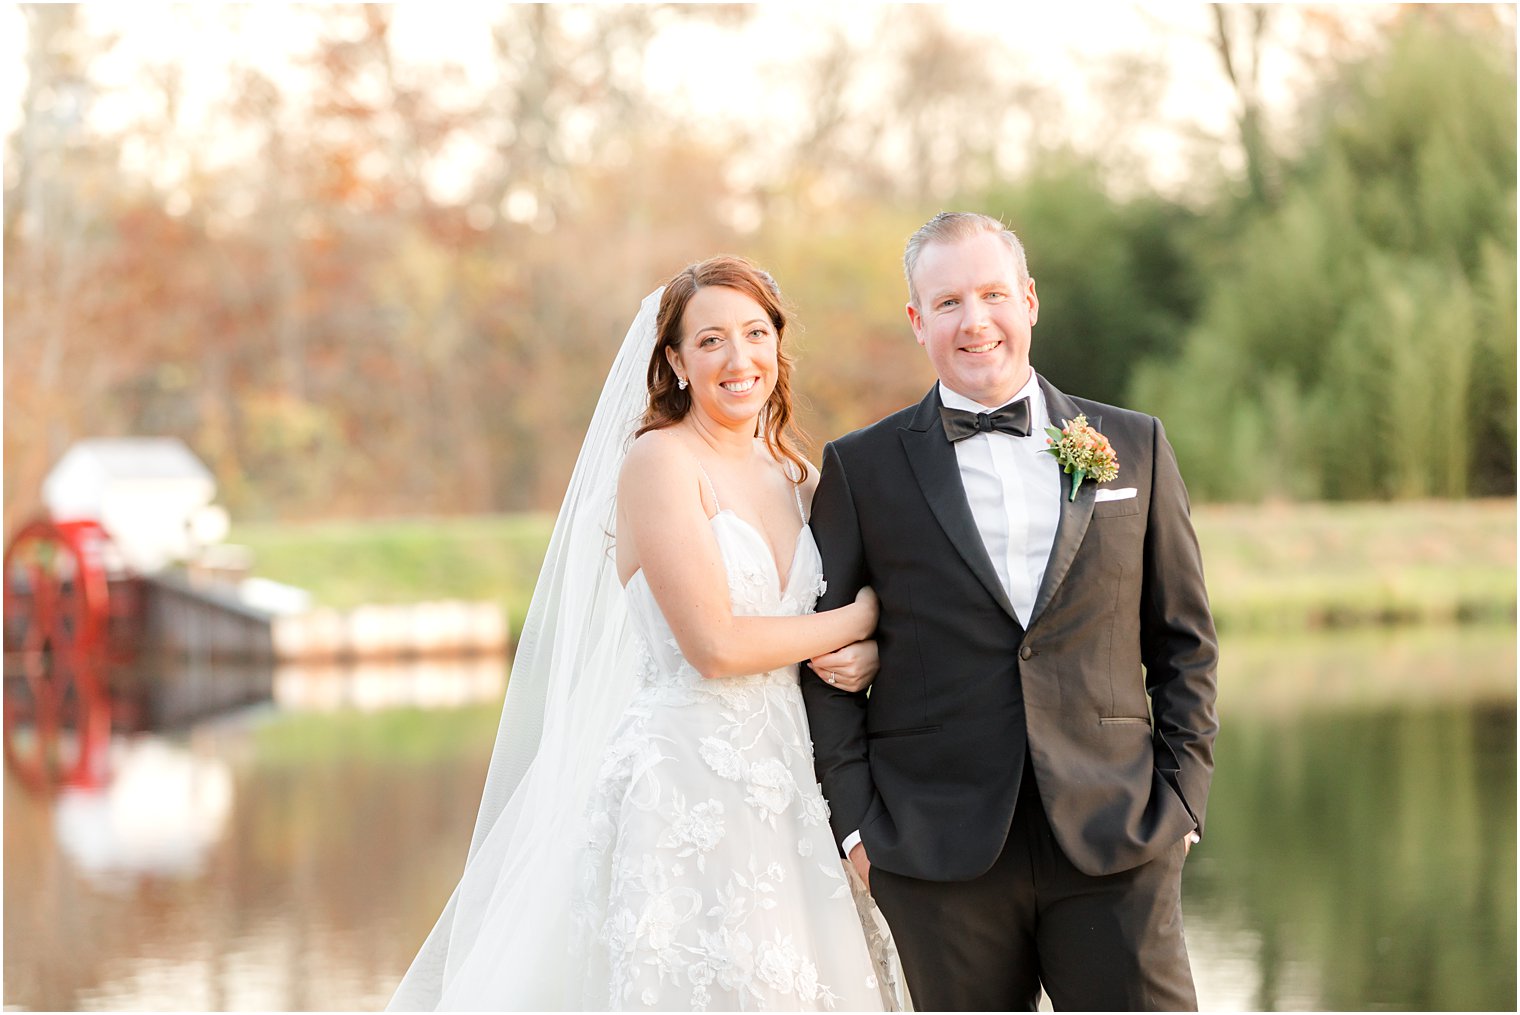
{"x":1025,"y":652}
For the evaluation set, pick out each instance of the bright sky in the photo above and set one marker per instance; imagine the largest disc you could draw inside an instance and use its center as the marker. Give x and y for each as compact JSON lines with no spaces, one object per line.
{"x":1065,"y":46}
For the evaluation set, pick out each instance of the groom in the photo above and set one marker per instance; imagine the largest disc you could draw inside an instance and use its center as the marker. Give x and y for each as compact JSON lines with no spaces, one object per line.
{"x":1029,"y":769}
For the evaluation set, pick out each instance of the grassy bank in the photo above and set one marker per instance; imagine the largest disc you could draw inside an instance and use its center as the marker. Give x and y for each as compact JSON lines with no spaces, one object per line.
{"x":1270,"y":568}
{"x":345,"y":564}
{"x":1284,"y":567}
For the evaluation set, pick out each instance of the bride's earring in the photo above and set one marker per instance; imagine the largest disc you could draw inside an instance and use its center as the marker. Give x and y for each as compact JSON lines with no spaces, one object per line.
{"x":681,"y":383}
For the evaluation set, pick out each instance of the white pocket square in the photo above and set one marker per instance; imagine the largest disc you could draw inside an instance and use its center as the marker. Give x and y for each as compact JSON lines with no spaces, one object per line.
{"x":1119,"y":493}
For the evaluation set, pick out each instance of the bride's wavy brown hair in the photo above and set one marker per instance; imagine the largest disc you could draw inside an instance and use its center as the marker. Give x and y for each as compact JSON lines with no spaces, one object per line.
{"x":668,"y":404}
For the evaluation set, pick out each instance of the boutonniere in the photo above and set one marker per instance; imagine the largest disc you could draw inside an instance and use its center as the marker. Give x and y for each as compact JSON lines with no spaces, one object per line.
{"x":1081,"y":449}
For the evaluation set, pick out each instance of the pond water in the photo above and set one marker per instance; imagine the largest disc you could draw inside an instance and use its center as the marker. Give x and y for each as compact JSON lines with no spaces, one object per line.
{"x":1360,"y":850}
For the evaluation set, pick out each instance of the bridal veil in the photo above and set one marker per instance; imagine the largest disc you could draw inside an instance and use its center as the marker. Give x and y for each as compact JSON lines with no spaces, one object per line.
{"x":572,"y":677}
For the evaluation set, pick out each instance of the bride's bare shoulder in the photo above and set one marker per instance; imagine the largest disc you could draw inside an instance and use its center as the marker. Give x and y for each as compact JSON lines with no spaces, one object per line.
{"x":657,"y":455}
{"x":661,"y":481}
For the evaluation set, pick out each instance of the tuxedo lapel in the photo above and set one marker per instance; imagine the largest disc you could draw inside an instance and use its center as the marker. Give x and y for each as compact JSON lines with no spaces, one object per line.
{"x":932,"y":457}
{"x":1076,"y":514}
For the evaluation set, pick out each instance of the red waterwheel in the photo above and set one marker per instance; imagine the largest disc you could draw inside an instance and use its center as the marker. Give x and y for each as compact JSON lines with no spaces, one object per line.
{"x":57,"y":718}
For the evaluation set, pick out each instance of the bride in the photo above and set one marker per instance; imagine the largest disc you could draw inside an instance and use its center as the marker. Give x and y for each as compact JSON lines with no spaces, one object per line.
{"x":651,"y":834}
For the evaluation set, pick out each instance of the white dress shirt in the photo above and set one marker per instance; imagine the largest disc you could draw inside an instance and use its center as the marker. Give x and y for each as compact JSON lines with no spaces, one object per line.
{"x":1014,"y":489}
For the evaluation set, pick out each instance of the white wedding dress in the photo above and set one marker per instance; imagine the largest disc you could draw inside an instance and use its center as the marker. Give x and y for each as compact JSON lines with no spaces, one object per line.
{"x":711,"y":879}
{"x":647,"y":838}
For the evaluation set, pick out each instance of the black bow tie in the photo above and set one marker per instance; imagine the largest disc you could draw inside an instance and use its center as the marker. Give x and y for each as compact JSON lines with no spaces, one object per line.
{"x":1011,"y":419}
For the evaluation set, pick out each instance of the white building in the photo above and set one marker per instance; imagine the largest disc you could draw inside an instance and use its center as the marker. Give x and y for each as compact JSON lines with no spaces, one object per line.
{"x":151,"y":494}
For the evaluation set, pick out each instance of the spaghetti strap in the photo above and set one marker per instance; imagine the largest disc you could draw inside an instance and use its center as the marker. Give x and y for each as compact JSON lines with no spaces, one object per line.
{"x":717,"y":507}
{"x":797,"y":493}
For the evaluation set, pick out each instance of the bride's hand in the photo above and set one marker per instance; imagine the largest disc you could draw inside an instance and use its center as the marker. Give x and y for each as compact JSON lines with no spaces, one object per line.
{"x":851,"y":668}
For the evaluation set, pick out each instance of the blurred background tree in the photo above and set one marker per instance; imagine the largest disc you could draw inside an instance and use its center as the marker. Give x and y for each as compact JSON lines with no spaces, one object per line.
{"x":360,"y":284}
{"x":1356,"y":337}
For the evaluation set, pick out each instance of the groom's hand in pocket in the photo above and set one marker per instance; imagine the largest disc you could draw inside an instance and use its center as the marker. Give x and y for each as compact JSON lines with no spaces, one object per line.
{"x":861,"y":863}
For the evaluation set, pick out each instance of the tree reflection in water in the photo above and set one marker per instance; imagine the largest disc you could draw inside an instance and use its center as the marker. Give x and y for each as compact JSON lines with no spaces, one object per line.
{"x":1362,"y":821}
{"x":1372,"y":855}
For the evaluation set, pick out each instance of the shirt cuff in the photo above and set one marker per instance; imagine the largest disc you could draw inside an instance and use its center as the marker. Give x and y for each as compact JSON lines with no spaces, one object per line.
{"x":850,"y":842}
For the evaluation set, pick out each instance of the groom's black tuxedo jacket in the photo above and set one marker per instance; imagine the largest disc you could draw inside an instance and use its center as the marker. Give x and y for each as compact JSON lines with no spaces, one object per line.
{"x":927,"y":766}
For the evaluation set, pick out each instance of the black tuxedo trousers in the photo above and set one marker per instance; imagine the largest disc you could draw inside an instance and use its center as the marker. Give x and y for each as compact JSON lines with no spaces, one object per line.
{"x":1034,"y":921}
{"x":1103,"y":708}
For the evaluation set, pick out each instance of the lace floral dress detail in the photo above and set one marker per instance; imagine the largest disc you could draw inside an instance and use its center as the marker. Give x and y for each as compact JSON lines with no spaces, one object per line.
{"x":711,"y":879}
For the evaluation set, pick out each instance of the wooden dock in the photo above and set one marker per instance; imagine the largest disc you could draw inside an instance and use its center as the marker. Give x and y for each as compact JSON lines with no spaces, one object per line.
{"x":199,"y":649}
{"x":207,"y":620}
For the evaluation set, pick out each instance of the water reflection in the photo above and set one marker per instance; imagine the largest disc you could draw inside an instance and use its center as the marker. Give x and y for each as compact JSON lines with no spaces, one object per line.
{"x":1360,"y":849}
{"x":159,"y":815}
{"x":1362,"y":822}
{"x":367,"y":686}
{"x":1372,"y":856}
{"x":332,"y":843}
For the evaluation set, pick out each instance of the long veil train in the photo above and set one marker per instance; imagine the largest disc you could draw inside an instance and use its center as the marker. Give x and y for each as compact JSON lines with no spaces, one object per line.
{"x":572,"y":677}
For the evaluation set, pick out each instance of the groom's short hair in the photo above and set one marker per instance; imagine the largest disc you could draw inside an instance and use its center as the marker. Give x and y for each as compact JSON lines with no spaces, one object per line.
{"x":952,"y":227}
